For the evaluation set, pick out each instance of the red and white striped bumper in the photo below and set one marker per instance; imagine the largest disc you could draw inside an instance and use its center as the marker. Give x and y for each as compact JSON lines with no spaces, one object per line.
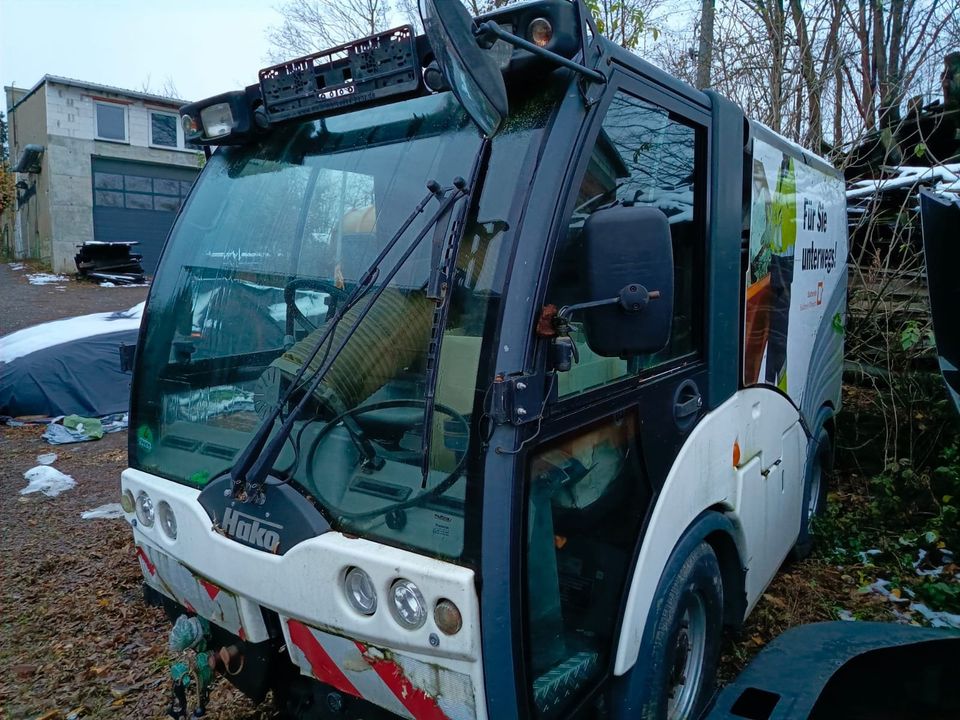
{"x":397,"y":682}
{"x":421,"y":673}
{"x":197,"y":594}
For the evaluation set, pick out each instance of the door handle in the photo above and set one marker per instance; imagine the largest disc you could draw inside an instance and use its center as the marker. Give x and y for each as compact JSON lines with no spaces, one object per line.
{"x":687,"y":403}
{"x":686,"y":408}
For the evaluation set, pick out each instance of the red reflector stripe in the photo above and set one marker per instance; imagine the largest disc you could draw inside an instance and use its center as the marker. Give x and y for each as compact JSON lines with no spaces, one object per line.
{"x":420,"y":705}
{"x":324,"y":668}
{"x":146,"y":560}
{"x":212,"y":590}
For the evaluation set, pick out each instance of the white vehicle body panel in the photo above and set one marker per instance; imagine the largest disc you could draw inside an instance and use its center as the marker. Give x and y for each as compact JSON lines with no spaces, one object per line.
{"x":761,"y":494}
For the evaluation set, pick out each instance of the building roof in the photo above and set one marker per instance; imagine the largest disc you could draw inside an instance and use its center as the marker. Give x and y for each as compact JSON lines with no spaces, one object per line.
{"x":98,"y":87}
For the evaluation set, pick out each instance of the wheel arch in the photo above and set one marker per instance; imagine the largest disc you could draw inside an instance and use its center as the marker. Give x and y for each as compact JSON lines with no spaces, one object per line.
{"x":723,"y":540}
{"x":719,"y":529}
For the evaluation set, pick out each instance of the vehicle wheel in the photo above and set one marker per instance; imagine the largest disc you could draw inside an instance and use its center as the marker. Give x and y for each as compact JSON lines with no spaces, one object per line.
{"x":673,"y":679}
{"x":816,"y":475}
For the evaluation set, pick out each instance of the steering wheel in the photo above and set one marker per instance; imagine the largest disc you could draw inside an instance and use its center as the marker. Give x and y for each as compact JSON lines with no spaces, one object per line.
{"x":294,"y":314}
{"x":351,"y":415}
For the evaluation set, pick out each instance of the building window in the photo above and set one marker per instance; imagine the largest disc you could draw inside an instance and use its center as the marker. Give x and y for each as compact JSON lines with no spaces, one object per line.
{"x":138,"y":192}
{"x":163,"y":129}
{"x":111,"y":121}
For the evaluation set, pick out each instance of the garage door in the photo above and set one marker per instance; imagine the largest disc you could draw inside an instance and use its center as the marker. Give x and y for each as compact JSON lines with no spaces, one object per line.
{"x":137,"y":202}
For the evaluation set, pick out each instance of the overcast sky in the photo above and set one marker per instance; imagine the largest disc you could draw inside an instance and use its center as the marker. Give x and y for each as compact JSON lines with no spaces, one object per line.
{"x":204,"y":47}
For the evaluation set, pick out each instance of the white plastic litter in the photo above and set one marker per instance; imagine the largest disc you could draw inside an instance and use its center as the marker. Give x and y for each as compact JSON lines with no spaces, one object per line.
{"x":845,"y":615}
{"x":48,"y":480}
{"x":937,"y":619}
{"x":880,"y":587}
{"x":47,"y":458}
{"x":110,"y":511}
{"x":107,"y":283}
{"x":45,"y":279}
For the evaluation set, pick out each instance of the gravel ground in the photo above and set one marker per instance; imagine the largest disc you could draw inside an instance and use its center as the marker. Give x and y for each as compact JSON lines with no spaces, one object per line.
{"x":75,"y":635}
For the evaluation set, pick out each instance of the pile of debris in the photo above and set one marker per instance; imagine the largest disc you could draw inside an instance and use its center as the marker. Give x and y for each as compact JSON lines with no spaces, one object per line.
{"x":111,"y":262}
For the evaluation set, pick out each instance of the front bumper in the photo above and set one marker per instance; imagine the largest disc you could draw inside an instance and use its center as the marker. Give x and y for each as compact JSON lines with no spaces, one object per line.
{"x":415,"y":674}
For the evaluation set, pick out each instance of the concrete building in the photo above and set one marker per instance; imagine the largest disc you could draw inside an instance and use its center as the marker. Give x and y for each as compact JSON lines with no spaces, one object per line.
{"x":96,"y":163}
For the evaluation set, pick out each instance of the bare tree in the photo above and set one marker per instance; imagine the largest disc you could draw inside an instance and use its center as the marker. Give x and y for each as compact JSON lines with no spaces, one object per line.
{"x":312,"y":25}
{"x":705,"y":53}
{"x":624,"y":21}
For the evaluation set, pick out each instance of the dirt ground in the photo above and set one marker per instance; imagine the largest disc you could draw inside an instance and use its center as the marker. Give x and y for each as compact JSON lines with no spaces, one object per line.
{"x":23,"y":304}
{"x":75,"y":635}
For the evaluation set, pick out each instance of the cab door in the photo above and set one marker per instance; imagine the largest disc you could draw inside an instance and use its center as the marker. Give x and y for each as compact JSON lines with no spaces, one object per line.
{"x":612,"y":426}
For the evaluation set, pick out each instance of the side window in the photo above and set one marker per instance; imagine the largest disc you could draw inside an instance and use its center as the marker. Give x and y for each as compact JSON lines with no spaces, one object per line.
{"x":644,"y":155}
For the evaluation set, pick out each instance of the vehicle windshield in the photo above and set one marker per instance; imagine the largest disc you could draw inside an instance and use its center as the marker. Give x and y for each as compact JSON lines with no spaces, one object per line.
{"x":273,"y":238}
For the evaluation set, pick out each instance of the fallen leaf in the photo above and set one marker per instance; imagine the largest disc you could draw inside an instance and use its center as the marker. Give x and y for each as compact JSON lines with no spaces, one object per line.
{"x":24,"y":671}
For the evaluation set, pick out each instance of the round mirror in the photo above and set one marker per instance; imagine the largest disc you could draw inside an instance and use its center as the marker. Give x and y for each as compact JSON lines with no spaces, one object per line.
{"x":470,"y":71}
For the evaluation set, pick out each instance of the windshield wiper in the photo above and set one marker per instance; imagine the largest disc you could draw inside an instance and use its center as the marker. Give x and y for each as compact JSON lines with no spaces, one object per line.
{"x":256,"y":476}
{"x":240,"y":470}
{"x":440,"y":289}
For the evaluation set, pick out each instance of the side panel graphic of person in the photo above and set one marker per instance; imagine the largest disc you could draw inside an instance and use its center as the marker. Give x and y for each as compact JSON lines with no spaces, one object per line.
{"x":783,"y":240}
{"x":793,"y":316}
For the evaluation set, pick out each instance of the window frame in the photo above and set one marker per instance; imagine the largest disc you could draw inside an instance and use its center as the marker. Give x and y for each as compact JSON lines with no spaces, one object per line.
{"x":177,"y":130}
{"x":126,"y":121}
{"x":692,"y":115}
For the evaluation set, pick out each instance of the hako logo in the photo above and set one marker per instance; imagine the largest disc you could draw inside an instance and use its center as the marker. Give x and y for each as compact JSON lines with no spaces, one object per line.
{"x":249,"y":529}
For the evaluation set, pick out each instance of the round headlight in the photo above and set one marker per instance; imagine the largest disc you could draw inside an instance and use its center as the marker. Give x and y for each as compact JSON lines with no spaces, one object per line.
{"x":145,"y":509}
{"x":127,"y":502}
{"x":447,"y":616}
{"x":168,"y":521}
{"x":360,"y":591}
{"x":408,"y":607}
{"x":540,"y":32}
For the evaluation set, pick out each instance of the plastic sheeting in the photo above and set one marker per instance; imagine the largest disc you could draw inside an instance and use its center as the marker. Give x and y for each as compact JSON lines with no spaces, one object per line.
{"x":80,"y":377}
{"x":47,"y":480}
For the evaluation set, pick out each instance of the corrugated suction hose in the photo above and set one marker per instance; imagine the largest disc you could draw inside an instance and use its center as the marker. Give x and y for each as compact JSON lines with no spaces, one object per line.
{"x":392,"y":336}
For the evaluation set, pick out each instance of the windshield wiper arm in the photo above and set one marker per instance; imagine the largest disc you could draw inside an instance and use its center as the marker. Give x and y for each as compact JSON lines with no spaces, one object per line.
{"x":238,"y":474}
{"x":440,"y":289}
{"x":256,"y":477}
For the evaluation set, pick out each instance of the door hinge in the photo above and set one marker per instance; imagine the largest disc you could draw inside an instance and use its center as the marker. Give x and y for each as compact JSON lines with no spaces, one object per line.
{"x":516,"y":399}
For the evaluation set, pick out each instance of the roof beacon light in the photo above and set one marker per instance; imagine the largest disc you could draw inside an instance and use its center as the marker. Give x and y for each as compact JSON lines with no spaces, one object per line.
{"x":540,"y":32}
{"x":217,"y":120}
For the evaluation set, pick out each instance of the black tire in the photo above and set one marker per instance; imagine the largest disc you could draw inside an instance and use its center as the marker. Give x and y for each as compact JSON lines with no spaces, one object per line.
{"x":816,"y":477}
{"x":656,"y":688}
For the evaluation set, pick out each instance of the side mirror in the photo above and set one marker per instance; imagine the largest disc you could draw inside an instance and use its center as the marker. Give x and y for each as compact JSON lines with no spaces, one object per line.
{"x":470,"y":71}
{"x":628,"y":278}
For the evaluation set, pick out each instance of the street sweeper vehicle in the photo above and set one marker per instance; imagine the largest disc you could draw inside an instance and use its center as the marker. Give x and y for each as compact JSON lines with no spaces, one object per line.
{"x":487,"y":373}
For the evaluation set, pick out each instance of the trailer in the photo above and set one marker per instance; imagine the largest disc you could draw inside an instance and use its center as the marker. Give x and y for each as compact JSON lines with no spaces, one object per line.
{"x":486,"y":373}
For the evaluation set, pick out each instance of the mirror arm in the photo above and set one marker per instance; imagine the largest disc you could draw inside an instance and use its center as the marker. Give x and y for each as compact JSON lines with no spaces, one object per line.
{"x":632,"y":298}
{"x":568,"y":310}
{"x":489,"y":32}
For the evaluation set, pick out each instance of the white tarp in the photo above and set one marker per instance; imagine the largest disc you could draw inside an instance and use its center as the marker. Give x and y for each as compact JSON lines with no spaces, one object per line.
{"x":39,"y":337}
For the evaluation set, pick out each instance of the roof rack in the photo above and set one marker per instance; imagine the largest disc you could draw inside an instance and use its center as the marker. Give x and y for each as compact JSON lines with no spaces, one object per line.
{"x":359,"y":72}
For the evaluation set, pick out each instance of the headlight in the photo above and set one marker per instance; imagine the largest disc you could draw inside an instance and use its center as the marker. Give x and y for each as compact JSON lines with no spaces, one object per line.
{"x":360,"y":591}
{"x":145,"y":509}
{"x":127,"y":502}
{"x":168,"y":521}
{"x":217,"y":120}
{"x":447,"y":616}
{"x":408,"y":607}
